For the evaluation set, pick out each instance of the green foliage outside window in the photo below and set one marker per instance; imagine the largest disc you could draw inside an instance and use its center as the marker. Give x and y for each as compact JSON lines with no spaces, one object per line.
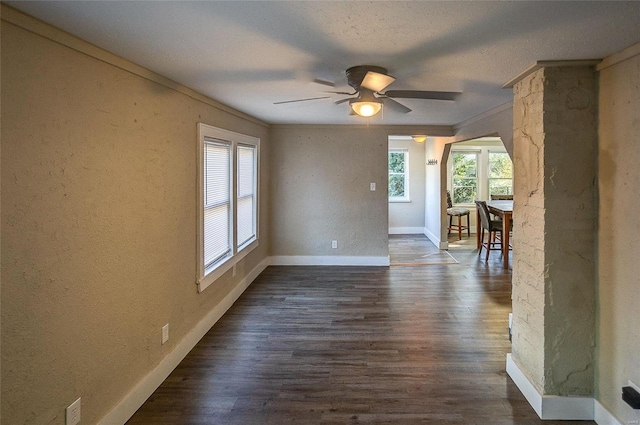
{"x":465,"y":177}
{"x":500,"y":174}
{"x":397,"y":176}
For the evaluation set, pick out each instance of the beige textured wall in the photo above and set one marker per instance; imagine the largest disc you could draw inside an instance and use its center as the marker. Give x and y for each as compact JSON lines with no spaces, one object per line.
{"x":320,"y":179}
{"x":410,"y":214}
{"x":98,"y":227}
{"x":554,"y":232}
{"x":618,"y":244}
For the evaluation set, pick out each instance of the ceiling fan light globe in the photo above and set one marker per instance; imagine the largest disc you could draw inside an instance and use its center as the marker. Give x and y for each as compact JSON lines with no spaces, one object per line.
{"x":366,"y":109}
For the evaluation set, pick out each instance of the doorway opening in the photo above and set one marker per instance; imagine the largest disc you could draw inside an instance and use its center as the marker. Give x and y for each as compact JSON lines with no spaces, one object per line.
{"x":477,"y":169}
{"x":408,"y":244}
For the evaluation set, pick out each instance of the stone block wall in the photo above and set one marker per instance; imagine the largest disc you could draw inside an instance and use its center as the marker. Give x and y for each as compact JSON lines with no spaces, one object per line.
{"x":528,"y":228}
{"x":554,"y":233}
{"x":570,"y":125}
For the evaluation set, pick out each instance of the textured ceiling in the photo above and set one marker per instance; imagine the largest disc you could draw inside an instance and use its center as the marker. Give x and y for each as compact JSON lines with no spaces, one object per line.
{"x":249,"y":55}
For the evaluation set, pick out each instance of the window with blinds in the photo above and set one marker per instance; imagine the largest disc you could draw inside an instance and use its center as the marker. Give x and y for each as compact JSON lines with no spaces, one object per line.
{"x":227,"y":199}
{"x":217,"y":202}
{"x":246,"y":194}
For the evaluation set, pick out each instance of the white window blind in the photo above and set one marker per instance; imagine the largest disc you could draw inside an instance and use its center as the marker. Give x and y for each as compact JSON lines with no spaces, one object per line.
{"x":246,"y":202}
{"x":217,"y":201}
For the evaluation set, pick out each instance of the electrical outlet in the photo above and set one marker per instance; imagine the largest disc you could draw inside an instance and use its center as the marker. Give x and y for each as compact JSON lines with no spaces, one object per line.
{"x":636,"y":411}
{"x":334,"y":244}
{"x":165,"y":333}
{"x":635,"y":421}
{"x":372,"y":187}
{"x":73,"y":412}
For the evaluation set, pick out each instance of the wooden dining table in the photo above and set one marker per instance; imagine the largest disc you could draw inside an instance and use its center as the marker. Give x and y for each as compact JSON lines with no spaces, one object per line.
{"x":504,"y":210}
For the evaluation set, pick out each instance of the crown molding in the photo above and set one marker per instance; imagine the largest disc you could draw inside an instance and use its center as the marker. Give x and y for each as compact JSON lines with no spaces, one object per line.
{"x":620,"y":56}
{"x":392,"y":130}
{"x":549,"y":64}
{"x":485,"y":114}
{"x":56,"y":35}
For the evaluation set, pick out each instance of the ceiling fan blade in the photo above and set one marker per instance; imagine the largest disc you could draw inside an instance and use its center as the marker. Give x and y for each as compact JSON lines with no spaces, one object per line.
{"x":324,"y":82}
{"x":421,"y":94}
{"x":376,"y":81}
{"x":300,"y":100}
{"x":395,"y":106}
{"x":342,"y":92}
{"x":338,"y":102}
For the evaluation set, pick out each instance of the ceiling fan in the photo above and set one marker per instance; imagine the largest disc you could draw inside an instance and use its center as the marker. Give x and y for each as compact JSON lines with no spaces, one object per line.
{"x":369,"y":81}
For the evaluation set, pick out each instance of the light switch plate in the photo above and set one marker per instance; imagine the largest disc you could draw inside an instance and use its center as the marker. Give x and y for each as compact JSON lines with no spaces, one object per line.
{"x":73,"y":412}
{"x":372,"y":187}
{"x":165,"y":333}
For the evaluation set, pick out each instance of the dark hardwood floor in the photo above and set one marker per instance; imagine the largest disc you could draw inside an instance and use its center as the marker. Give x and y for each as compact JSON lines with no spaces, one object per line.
{"x":354,"y":345}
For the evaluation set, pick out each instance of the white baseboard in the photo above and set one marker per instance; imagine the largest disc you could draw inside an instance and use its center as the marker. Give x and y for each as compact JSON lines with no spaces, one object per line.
{"x":435,"y":239}
{"x":123,"y":411}
{"x":329,"y":260}
{"x":526,"y":388}
{"x":551,"y":407}
{"x":602,"y":416}
{"x":406,"y":230}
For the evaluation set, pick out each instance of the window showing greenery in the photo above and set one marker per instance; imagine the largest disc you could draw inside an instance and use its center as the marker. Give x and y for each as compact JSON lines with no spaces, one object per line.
{"x":478,"y":171}
{"x":500,"y":174}
{"x":398,"y":174}
{"x":465,"y":177}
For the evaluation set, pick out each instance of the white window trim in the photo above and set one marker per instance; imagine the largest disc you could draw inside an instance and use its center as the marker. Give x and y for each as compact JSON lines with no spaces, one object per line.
{"x":206,"y":277}
{"x":482,"y":172}
{"x":489,"y":178}
{"x":406,"y":197}
{"x":479,"y":170}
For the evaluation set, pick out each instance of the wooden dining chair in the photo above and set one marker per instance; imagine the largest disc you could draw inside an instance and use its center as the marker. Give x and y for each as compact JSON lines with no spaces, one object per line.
{"x":457,"y":212}
{"x":493,"y":227}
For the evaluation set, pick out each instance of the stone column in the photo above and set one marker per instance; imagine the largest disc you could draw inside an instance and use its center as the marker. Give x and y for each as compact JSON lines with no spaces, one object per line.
{"x":555,"y":140}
